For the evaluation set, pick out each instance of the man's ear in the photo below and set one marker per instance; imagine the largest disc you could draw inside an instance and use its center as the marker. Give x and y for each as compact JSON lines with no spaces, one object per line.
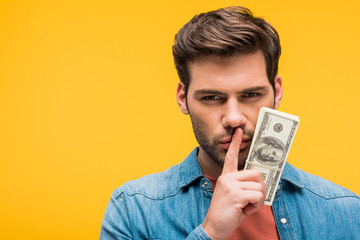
{"x":278,"y":91}
{"x":181,"y":97}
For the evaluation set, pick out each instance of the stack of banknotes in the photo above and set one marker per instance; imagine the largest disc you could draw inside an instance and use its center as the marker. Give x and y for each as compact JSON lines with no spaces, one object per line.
{"x":274,"y":134}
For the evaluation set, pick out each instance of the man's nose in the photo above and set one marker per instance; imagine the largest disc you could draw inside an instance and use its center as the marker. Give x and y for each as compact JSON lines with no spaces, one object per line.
{"x":233,"y":115}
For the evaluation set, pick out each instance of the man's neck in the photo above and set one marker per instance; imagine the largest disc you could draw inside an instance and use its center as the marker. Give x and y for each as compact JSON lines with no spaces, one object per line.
{"x":208,"y":166}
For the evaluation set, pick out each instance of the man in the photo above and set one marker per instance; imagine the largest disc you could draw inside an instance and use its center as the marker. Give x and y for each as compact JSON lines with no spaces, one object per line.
{"x":227,"y":61}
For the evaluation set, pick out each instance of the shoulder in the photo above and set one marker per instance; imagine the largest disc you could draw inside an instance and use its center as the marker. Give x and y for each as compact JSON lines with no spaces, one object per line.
{"x":153,"y":186}
{"x":168,"y":183}
{"x":322,"y":187}
{"x":311,"y":201}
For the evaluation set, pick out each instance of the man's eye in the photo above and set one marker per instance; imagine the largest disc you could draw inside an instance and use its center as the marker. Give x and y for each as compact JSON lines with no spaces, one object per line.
{"x":211,"y":98}
{"x":251,"y":95}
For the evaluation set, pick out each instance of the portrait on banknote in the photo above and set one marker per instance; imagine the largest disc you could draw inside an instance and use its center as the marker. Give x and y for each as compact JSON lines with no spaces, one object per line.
{"x":269,"y":151}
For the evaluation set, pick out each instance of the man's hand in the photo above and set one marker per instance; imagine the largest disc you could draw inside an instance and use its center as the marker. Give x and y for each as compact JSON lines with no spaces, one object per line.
{"x":237,"y":194}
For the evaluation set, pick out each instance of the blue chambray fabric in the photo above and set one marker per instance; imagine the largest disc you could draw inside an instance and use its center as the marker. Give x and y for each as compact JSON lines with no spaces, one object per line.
{"x":173,"y":204}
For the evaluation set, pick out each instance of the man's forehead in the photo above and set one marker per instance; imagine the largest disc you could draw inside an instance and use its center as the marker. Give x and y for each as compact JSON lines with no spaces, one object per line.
{"x":221,"y":86}
{"x":240,"y":71}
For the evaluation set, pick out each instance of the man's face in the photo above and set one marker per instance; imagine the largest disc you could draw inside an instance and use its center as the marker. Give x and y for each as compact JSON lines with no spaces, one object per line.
{"x":226,"y":93}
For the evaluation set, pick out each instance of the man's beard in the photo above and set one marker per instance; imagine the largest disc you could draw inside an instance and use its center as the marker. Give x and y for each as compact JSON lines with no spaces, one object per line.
{"x":212,"y":146}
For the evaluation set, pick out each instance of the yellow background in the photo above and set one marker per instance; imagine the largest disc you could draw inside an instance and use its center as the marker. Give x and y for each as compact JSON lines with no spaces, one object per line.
{"x":87,"y":101}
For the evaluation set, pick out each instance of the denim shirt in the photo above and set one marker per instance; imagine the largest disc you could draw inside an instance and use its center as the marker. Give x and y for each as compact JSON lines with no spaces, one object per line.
{"x":173,"y":204}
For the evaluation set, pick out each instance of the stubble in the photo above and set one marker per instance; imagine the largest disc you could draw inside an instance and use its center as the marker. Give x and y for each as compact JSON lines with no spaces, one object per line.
{"x":211,"y":145}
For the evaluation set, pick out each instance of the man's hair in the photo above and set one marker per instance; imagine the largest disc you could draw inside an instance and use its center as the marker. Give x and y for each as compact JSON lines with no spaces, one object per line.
{"x":226,"y":32}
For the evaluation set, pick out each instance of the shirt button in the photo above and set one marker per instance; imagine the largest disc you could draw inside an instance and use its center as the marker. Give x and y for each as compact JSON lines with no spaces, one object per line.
{"x":283,"y":220}
{"x":278,"y":188}
{"x":205,"y":183}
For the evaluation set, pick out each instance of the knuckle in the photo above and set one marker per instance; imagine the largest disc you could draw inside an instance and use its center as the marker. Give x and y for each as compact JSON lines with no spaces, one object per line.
{"x":221,"y":179}
{"x":224,"y":183}
{"x":257,"y":172}
{"x":259,"y":187}
{"x":240,"y":205}
{"x":228,"y":159}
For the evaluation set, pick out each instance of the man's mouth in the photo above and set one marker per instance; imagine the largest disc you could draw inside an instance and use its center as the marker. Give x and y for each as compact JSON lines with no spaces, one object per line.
{"x":225,"y":143}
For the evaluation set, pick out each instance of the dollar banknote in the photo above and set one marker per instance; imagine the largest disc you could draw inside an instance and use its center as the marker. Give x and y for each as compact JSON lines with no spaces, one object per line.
{"x":273,"y":136}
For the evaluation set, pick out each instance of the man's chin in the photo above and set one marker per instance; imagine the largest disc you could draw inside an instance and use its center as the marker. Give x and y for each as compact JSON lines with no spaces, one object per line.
{"x":218,"y":156}
{"x":241,"y":160}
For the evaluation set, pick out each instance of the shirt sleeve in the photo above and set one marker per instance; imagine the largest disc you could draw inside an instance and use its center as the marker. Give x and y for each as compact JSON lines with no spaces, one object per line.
{"x":115,"y":224}
{"x":198,"y":234}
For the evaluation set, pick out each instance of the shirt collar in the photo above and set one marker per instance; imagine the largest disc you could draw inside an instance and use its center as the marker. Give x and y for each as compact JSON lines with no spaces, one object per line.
{"x":291,"y":175}
{"x":190,"y":169}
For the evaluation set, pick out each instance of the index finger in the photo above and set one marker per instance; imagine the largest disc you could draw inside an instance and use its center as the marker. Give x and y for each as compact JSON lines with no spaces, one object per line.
{"x":232,"y":155}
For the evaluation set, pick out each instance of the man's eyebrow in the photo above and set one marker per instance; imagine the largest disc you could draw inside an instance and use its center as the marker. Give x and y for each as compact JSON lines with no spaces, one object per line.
{"x":245,"y":91}
{"x":207,"y":91}
{"x":254,"y":89}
